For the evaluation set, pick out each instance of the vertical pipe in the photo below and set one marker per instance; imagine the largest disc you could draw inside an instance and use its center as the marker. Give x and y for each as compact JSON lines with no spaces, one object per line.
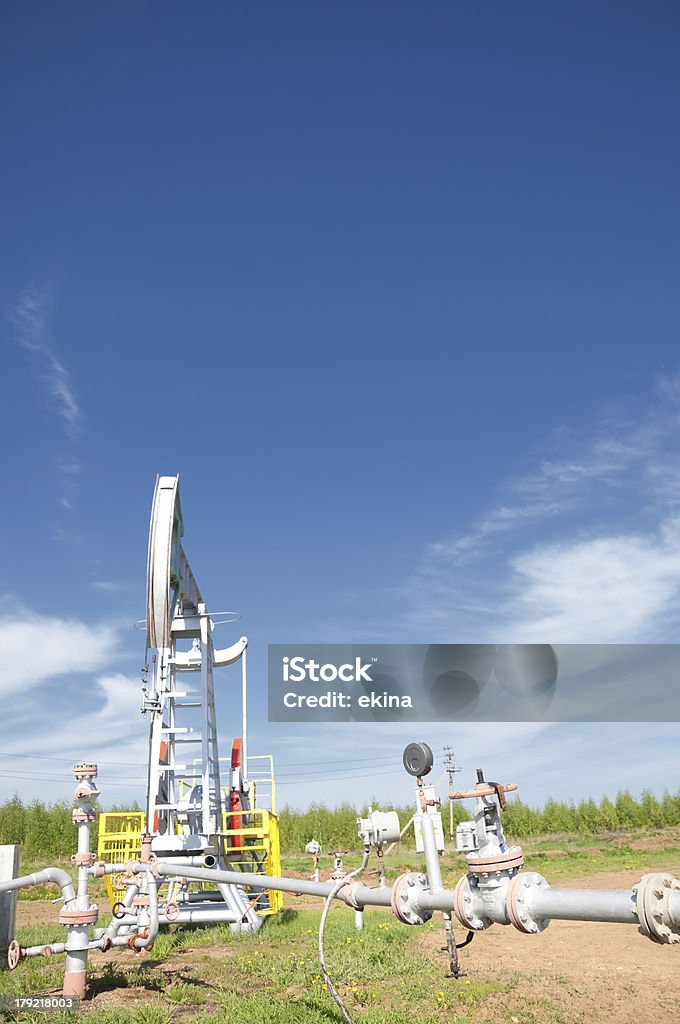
{"x":432,"y":865}
{"x":244,"y":715}
{"x":359,"y":920}
{"x":75,"y":973}
{"x":205,"y":720}
{"x":83,"y":868}
{"x":434,"y":877}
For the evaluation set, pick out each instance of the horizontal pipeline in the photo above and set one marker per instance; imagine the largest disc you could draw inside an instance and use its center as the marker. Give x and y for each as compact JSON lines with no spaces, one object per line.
{"x":362,"y":895}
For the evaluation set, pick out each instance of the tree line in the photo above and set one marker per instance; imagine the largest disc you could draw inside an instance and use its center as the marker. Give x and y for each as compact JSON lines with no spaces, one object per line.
{"x":336,"y":828}
{"x":45,"y":831}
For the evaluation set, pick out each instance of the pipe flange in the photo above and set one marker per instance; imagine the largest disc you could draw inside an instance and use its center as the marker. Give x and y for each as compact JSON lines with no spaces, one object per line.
{"x":46,"y":951}
{"x":13,"y":955}
{"x":463,"y":907}
{"x":78,"y":817}
{"x":171,"y":912}
{"x":106,"y":943}
{"x":517,"y":899}
{"x":85,"y":770}
{"x":511,"y":860}
{"x":404,"y":899}
{"x":652,"y":897}
{"x":83,"y":859}
{"x":142,"y":900}
{"x":79,"y":917}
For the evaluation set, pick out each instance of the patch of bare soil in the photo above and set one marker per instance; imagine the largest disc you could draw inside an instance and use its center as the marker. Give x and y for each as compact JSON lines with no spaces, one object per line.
{"x":33,"y":912}
{"x":586,"y":971}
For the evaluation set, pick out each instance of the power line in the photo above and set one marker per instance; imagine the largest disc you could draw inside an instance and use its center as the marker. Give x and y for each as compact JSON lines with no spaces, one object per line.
{"x":73,"y":760}
{"x":339,"y":778}
{"x":281,"y":764}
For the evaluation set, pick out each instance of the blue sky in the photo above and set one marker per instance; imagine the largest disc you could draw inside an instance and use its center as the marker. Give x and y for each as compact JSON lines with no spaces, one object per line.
{"x":395,"y":291}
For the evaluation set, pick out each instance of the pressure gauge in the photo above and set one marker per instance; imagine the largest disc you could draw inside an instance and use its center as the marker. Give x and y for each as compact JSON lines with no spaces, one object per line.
{"x":418,"y":759}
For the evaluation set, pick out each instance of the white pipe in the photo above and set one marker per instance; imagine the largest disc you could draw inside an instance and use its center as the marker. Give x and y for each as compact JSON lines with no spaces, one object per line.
{"x":608,"y":905}
{"x":206,"y":860}
{"x":153,"y":909}
{"x":432,"y":864}
{"x":55,"y":875}
{"x":244,"y":714}
{"x":615,"y":905}
{"x":363,"y":895}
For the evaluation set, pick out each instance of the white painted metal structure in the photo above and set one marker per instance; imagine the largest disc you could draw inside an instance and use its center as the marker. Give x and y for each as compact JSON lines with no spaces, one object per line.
{"x":183,"y":727}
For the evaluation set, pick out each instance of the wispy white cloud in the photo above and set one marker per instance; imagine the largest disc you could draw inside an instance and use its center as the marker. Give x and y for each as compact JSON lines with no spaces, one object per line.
{"x":103,"y":725}
{"x":500,"y":520}
{"x":35,"y":648}
{"x":112,"y":728}
{"x":30,"y":317}
{"x":566,"y":483}
{"x":31,"y":321}
{"x":610,"y":570}
{"x":610,"y":589}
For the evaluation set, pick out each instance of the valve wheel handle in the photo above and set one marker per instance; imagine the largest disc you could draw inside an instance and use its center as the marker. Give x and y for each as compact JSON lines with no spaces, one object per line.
{"x":13,"y":954}
{"x":172,"y":911}
{"x":119,"y":910}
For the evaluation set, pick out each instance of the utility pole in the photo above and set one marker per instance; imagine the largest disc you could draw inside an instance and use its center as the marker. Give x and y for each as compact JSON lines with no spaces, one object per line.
{"x":451,"y":767}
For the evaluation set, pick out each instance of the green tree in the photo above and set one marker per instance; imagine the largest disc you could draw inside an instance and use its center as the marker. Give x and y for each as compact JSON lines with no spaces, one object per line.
{"x":652,"y":814}
{"x":12,"y":821}
{"x":608,"y":819}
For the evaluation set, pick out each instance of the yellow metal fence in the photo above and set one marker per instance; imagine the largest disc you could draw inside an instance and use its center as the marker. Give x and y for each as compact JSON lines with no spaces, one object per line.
{"x":251,"y":840}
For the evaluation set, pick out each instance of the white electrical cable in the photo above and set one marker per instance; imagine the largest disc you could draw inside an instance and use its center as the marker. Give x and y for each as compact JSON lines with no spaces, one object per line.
{"x":322,"y":924}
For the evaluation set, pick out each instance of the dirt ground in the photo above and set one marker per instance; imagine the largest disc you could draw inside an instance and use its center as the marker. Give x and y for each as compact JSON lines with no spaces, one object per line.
{"x":597,"y":972}
{"x":592,"y":972}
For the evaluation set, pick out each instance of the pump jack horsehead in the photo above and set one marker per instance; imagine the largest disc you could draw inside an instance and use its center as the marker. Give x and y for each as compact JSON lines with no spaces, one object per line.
{"x":185,"y":840}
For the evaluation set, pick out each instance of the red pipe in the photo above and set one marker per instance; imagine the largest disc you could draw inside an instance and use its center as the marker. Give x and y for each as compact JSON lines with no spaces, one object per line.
{"x":234,"y":794}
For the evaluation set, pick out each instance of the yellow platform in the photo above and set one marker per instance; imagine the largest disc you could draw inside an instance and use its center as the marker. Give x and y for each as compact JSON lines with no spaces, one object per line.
{"x":251,"y":840}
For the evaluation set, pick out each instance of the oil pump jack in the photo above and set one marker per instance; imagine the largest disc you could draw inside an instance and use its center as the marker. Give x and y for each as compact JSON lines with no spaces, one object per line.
{"x":181,"y":839}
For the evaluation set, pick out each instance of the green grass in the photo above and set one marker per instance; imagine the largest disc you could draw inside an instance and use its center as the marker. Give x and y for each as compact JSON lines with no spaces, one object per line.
{"x":387,"y":974}
{"x":274,"y":976}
